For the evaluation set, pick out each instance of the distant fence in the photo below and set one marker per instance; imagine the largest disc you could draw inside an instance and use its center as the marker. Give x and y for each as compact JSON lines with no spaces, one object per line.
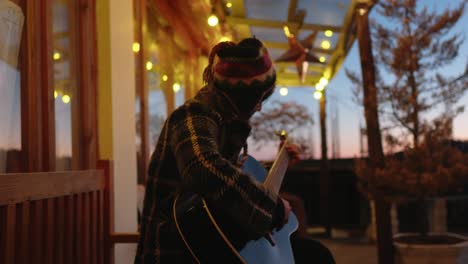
{"x":349,"y":208}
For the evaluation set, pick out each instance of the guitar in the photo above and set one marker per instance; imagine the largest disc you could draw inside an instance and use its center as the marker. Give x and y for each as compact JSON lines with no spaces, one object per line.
{"x":212,"y":238}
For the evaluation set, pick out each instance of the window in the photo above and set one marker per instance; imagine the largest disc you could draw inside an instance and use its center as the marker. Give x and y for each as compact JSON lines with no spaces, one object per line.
{"x":65,"y":71}
{"x":11,"y":24}
{"x":46,"y":122}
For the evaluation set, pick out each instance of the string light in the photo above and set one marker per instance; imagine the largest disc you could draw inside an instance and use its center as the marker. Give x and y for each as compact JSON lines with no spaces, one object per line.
{"x":283,"y":91}
{"x":57,"y":55}
{"x":319,"y":87}
{"x":323,"y":81}
{"x":136,"y":47}
{"x":318,"y":95}
{"x":213,"y":20}
{"x":328,"y":33}
{"x":322,"y":59}
{"x":164,"y":78}
{"x":176,"y":87}
{"x":287,"y":32}
{"x":228,"y":4}
{"x":149,"y":65}
{"x":66,"y":99}
{"x":325,"y":44}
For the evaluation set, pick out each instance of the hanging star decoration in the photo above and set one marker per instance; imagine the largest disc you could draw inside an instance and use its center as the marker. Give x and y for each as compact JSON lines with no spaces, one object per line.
{"x":299,"y":52}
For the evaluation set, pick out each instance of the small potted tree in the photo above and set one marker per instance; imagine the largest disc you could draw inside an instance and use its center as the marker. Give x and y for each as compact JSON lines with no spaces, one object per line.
{"x":413,"y":44}
{"x":433,"y":170}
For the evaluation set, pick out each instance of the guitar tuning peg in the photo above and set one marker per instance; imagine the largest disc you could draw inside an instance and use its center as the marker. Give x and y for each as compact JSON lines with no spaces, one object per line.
{"x":282,"y":134}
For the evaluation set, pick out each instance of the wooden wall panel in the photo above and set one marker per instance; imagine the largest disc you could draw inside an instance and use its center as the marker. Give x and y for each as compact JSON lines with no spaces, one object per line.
{"x":49,"y":245}
{"x":59,"y":235}
{"x":23,"y":233}
{"x":37,"y":231}
{"x":10,"y":227}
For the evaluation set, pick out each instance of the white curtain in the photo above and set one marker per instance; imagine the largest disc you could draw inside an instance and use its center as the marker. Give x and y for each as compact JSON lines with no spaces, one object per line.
{"x":11,"y":24}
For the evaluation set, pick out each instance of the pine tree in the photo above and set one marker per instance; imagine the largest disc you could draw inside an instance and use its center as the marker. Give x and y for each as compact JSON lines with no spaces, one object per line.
{"x":412,"y":46}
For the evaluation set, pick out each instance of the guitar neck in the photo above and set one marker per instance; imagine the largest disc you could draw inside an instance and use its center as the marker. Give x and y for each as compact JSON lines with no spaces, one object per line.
{"x":278,"y":169}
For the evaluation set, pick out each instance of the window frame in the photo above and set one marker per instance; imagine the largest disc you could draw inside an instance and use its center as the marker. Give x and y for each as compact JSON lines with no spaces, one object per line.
{"x":37,"y":89}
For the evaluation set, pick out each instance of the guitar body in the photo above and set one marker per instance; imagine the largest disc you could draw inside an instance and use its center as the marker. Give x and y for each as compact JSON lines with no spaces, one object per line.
{"x":211,"y":237}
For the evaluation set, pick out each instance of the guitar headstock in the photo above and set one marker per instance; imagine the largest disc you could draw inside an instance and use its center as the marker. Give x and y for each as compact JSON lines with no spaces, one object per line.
{"x":283,"y":136}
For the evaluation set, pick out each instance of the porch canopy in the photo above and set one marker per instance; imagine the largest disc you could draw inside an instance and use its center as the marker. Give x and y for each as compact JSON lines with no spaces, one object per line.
{"x":324,"y":29}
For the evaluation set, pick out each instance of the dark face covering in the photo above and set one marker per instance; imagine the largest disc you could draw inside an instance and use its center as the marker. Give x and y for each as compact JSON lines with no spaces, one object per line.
{"x":247,"y":97}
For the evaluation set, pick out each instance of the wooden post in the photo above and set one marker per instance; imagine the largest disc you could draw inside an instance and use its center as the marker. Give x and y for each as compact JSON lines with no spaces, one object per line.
{"x":188,"y":76}
{"x":374,"y":141}
{"x":324,"y":168}
{"x":87,"y":65}
{"x":142,"y":85}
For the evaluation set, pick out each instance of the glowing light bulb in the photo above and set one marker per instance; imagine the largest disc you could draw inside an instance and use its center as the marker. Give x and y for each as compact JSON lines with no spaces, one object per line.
{"x":149,"y":65}
{"x":323,"y":81}
{"x":287,"y":32}
{"x":319,"y":87}
{"x":228,"y":4}
{"x":213,"y":20}
{"x":66,"y":99}
{"x":283,"y":91}
{"x":164,"y":78}
{"x":328,"y":33}
{"x":322,"y":59}
{"x":318,"y":95}
{"x":136,"y":47}
{"x":57,"y":55}
{"x":176,"y":87}
{"x":325,"y":44}
{"x":55,"y":94}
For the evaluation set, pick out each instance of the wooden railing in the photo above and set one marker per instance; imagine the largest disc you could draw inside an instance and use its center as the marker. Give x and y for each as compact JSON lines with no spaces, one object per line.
{"x":57,"y":217}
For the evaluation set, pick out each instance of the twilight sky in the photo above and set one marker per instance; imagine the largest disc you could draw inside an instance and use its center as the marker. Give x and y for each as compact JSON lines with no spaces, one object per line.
{"x":349,"y":116}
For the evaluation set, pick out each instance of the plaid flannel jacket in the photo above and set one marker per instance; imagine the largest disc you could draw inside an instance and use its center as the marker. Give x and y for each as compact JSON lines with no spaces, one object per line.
{"x":197,"y":150}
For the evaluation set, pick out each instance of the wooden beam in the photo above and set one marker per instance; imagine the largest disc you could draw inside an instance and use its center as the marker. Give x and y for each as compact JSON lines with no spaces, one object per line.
{"x":294,"y":81}
{"x":282,"y":65}
{"x":285,"y":46}
{"x":292,"y":10}
{"x":346,"y":38}
{"x":278,"y":24}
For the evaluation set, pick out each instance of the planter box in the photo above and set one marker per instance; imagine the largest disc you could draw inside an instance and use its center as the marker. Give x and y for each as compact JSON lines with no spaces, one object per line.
{"x":431,"y":254}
